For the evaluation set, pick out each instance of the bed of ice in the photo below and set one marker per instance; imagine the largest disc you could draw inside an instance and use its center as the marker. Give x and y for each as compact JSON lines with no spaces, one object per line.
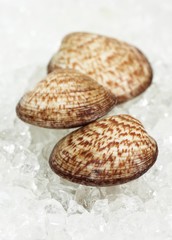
{"x":35,"y":204}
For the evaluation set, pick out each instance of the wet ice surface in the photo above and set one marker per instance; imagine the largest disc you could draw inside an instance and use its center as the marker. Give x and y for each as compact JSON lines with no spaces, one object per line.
{"x":35,"y":204}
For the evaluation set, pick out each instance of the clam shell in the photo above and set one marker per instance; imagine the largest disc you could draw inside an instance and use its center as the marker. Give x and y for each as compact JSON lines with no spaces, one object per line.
{"x":64,"y":99}
{"x":110,"y":151}
{"x":116,"y":65}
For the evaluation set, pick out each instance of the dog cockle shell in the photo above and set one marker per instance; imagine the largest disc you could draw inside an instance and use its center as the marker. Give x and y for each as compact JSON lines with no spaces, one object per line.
{"x":64,"y":99}
{"x":117,"y":65}
{"x":110,"y":151}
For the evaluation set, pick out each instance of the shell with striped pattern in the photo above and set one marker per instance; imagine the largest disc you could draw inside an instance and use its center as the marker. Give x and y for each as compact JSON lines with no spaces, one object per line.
{"x":117,"y":65}
{"x":110,"y":151}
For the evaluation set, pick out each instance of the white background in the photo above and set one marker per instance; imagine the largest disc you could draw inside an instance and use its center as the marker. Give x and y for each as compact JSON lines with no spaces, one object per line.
{"x":31,"y":30}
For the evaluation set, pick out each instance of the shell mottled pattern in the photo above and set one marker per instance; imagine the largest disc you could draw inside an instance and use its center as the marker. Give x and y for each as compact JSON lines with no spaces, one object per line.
{"x":118,"y":66}
{"x":64,"y":99}
{"x":110,"y":151}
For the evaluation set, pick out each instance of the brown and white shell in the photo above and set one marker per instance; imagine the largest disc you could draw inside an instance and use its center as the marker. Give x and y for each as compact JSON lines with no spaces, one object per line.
{"x":64,"y":99}
{"x":116,"y":65}
{"x":110,"y":151}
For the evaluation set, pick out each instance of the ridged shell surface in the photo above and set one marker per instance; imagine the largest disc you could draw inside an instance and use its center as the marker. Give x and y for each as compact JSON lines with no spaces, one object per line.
{"x":116,"y":65}
{"x":110,"y":151}
{"x":65,"y":98}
